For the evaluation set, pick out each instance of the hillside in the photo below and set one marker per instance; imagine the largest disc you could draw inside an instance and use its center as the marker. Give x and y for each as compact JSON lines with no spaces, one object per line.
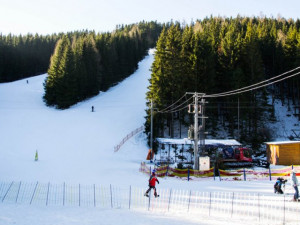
{"x":77,"y":146}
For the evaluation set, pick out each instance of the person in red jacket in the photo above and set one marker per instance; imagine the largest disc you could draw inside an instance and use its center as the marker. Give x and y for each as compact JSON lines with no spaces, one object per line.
{"x":152,"y":181}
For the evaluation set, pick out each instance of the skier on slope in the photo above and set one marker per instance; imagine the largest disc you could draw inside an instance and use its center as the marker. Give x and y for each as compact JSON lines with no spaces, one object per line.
{"x":152,"y":182}
{"x":279,"y":183}
{"x":294,"y":182}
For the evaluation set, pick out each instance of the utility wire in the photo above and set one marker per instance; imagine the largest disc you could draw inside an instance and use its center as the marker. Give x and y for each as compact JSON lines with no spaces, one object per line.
{"x":228,"y":93}
{"x":238,"y":91}
{"x":242,"y":91}
{"x":175,"y":108}
{"x":172,"y":111}
{"x":172,"y":104}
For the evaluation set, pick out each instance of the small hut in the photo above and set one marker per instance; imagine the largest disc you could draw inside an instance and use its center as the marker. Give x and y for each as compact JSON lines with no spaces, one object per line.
{"x":283,"y":153}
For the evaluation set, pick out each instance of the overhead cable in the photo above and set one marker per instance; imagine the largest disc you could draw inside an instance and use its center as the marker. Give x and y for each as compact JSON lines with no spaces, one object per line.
{"x":174,"y":109}
{"x":172,"y":103}
{"x":248,"y":88}
{"x":242,"y":90}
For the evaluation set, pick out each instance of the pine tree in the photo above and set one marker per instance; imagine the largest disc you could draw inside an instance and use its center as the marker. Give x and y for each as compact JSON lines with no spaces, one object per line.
{"x":67,"y":89}
{"x":55,"y":73}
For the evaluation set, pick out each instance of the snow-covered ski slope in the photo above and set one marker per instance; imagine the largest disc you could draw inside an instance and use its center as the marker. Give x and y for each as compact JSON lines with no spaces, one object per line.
{"x":77,"y":146}
{"x":74,"y":145}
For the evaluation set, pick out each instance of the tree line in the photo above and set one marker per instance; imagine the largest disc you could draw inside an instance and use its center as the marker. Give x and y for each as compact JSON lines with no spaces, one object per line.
{"x":85,"y":63}
{"x":25,"y":55}
{"x":216,"y":55}
{"x":212,"y":55}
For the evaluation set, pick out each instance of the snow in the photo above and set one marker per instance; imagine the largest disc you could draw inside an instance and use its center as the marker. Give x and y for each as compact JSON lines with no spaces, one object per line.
{"x":77,"y":146}
{"x":186,"y":141}
{"x":285,"y":122}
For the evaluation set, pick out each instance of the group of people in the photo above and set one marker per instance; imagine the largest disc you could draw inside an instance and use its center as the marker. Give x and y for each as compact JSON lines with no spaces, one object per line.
{"x":277,"y":186}
{"x":294,"y":182}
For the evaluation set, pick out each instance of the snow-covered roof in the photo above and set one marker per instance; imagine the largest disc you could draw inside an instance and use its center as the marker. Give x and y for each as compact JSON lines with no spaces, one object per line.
{"x":281,"y":142}
{"x":185,"y":141}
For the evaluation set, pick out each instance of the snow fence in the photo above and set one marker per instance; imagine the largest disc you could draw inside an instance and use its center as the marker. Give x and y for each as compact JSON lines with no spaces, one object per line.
{"x":277,"y":209}
{"x":239,"y":174}
{"x":127,"y":137}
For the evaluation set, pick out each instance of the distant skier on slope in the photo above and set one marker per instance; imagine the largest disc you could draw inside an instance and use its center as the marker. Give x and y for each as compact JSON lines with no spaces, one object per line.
{"x":152,"y":182}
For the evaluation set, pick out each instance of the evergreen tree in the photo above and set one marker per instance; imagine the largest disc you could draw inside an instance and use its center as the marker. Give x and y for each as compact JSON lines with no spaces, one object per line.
{"x":55,"y":72}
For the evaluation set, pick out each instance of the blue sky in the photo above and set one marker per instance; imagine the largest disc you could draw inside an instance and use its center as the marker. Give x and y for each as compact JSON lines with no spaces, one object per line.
{"x":53,"y":16}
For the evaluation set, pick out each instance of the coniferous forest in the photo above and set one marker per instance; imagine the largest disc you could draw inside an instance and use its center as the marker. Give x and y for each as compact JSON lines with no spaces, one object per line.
{"x":25,"y":56}
{"x":212,"y":55}
{"x":217,"y":55}
{"x":85,"y":63}
{"x":79,"y":64}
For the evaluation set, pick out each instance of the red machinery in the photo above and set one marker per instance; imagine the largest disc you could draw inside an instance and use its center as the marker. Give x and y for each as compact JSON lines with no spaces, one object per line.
{"x":236,"y":157}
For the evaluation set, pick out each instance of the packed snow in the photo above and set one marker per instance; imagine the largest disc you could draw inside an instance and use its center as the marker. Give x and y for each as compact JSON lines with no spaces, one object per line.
{"x":77,"y":146}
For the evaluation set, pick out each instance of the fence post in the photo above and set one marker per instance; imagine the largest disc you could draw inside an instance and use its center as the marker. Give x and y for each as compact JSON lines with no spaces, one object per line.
{"x":167,"y":170}
{"x":129,"y":195}
{"x":189,"y":200}
{"x":7,"y":191}
{"x":284,"y":208}
{"x":258,"y":207}
{"x":111,"y":202}
{"x":214,"y":173}
{"x":232,"y":204}
{"x":94,"y":196}
{"x":33,"y":192}
{"x":149,"y":200}
{"x":169,"y":200}
{"x":64,"y":193}
{"x":209,"y":203}
{"x":244,"y":175}
{"x":48,"y":193}
{"x":79,"y":194}
{"x":18,"y":192}
{"x":219,"y":175}
{"x":270,"y":173}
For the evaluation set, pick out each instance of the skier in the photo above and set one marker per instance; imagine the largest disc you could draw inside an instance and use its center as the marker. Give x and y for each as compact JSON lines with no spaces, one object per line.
{"x":277,"y":186}
{"x":294,"y":182}
{"x":152,"y":181}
